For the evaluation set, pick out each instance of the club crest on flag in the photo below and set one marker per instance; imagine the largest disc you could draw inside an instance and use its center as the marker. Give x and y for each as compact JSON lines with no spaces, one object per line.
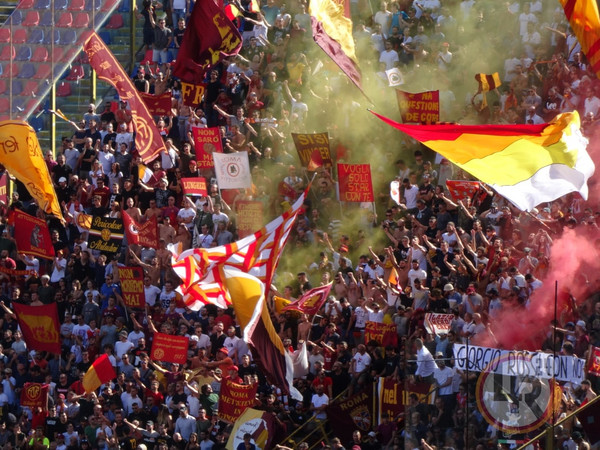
{"x":395,"y":77}
{"x":361,"y":417}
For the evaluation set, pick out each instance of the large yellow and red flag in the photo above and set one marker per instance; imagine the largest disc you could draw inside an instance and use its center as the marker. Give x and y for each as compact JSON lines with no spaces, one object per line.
{"x":101,"y":371}
{"x":527,"y":164}
{"x":585,"y":22}
{"x":22,"y":157}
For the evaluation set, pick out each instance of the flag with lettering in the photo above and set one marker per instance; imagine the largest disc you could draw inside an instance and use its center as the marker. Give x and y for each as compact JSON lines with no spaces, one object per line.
{"x":311,"y":301}
{"x":192,"y":94}
{"x":158,"y":105}
{"x":131,"y":280}
{"x":106,"y":234}
{"x":233,"y":170}
{"x":23,"y":158}
{"x":32,"y":235}
{"x":144,"y":234}
{"x":234,"y":399}
{"x":148,"y":141}
{"x":209,"y":37}
{"x":422,"y":107}
{"x":4,"y":188}
{"x":206,"y":142}
{"x":394,"y":397}
{"x":40,"y":326}
{"x":169,"y":348}
{"x":313,"y":149}
{"x":385,"y":334}
{"x":355,"y":183}
{"x":249,"y":217}
{"x":35,"y":395}
{"x":352,"y":413}
{"x":194,"y":186}
{"x":437,"y":323}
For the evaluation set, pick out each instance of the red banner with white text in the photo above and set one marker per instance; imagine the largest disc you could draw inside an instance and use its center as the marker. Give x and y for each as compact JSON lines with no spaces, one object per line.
{"x":168,"y":348}
{"x":207,"y":141}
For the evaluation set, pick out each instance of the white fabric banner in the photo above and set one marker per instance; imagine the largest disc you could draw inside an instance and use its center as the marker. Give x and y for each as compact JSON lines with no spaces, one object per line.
{"x":232,"y":170}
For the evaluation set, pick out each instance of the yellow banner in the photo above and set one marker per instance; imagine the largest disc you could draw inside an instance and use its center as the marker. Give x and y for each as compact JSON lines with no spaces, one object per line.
{"x":22,"y":156}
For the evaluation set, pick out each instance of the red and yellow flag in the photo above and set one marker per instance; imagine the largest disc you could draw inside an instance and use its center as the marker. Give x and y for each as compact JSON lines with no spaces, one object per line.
{"x":100,"y":372}
{"x":310,"y":303}
{"x":39,"y":325}
{"x":527,"y":164}
{"x":148,"y":141}
{"x":23,"y":158}
{"x":585,"y":22}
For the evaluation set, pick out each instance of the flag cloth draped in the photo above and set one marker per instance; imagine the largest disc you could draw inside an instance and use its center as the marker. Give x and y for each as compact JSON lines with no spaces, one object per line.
{"x":527,"y":164}
{"x":257,"y":254}
{"x":209,"y":37}
{"x":585,"y":22}
{"x":311,"y":301}
{"x":332,"y":31}
{"x":23,"y":158}
{"x":100,"y":372}
{"x":148,"y":141}
{"x":39,"y":325}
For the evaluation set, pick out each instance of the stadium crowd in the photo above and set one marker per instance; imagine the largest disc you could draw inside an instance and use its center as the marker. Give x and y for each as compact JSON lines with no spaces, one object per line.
{"x":473,"y":258}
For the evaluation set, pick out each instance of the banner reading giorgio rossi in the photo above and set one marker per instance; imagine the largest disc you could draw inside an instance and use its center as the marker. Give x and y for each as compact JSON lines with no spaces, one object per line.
{"x":106,"y":235}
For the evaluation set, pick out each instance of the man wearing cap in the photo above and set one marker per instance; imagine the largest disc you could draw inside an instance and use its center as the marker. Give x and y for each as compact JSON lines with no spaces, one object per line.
{"x":149,"y":434}
{"x":582,"y":340}
{"x":185,"y":424}
{"x":528,"y":263}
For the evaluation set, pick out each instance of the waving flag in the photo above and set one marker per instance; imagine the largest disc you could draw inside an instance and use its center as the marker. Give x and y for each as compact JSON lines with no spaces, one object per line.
{"x":101,"y":371}
{"x":584,"y":20}
{"x":145,"y":234}
{"x":250,"y":306}
{"x":527,"y":164}
{"x":258,"y":254}
{"x":32,"y":235}
{"x":487,"y":83}
{"x":332,"y":31}
{"x":209,"y":37}
{"x":310,"y":303}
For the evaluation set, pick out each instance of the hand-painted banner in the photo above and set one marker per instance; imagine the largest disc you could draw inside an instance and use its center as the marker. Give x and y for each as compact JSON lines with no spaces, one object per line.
{"x":158,"y":105}
{"x":144,"y":234}
{"x":355,"y":183}
{"x":148,"y":141}
{"x":461,"y":189}
{"x":394,"y":397}
{"x":262,"y":426}
{"x":249,"y":217}
{"x":22,"y":156}
{"x":132,"y":286}
{"x":313,"y":147}
{"x":4,"y":188}
{"x":423,"y":107}
{"x":166,"y":347}
{"x":520,"y":363}
{"x":233,"y":170}
{"x":234,"y":399}
{"x":17,"y":273}
{"x":594,"y":361}
{"x":106,"y":234}
{"x":39,"y":325}
{"x":194,"y":186}
{"x":385,"y":334}
{"x":32,"y":235}
{"x":438,"y":323}
{"x":191,"y":94}
{"x":206,"y":141}
{"x":35,"y":395}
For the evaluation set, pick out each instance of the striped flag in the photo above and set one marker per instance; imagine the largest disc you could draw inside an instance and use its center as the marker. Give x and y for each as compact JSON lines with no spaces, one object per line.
{"x":100,"y":372}
{"x":585,"y":22}
{"x":201,"y":269}
{"x":144,"y":173}
{"x":527,"y":164}
{"x":487,"y":83}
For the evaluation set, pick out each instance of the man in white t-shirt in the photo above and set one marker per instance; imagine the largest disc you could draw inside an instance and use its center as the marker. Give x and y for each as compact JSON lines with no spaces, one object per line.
{"x":359,"y":367}
{"x":319,"y":403}
{"x":389,"y":56}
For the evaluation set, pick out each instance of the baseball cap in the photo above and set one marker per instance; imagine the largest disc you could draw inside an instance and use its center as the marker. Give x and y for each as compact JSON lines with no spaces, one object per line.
{"x":233,"y":368}
{"x":448,"y":287}
{"x":224,"y":350}
{"x":580,"y":323}
{"x":371,"y":434}
{"x":62,"y":180}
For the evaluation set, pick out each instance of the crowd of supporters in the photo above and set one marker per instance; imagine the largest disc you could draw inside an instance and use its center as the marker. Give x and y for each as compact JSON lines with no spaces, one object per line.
{"x":473,"y":258}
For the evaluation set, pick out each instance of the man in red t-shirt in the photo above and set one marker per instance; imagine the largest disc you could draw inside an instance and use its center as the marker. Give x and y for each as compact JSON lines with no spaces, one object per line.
{"x":323,"y":380}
